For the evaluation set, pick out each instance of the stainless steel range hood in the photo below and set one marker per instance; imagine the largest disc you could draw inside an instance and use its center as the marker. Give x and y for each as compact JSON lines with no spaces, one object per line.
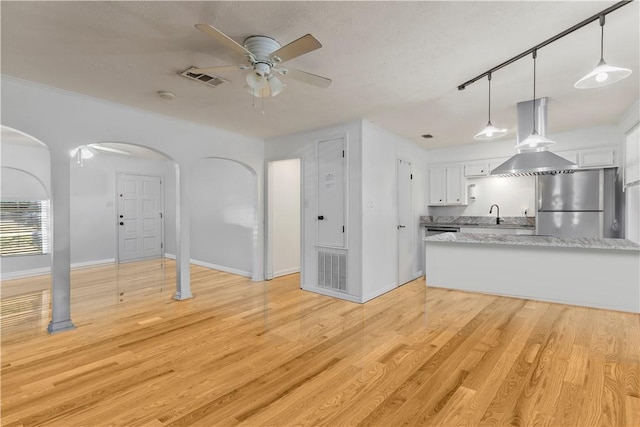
{"x":539,"y":161}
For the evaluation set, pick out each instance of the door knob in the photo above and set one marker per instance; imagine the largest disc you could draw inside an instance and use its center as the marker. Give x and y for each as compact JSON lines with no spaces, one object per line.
{"x":121,"y":216}
{"x":121,"y":223}
{"x":401,"y":226}
{"x":320,"y":217}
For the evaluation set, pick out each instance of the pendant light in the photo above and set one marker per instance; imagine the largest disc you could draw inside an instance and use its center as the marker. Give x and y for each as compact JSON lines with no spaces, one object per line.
{"x":534,"y":141}
{"x":490,"y":131}
{"x":603,"y":74}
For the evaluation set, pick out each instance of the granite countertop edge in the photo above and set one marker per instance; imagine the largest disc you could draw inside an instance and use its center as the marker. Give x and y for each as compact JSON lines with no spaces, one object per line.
{"x":541,"y":241}
{"x":526,"y":223}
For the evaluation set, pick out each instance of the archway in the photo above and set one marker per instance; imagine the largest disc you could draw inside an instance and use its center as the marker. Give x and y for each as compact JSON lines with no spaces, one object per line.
{"x":101,"y":177}
{"x":25,"y":229}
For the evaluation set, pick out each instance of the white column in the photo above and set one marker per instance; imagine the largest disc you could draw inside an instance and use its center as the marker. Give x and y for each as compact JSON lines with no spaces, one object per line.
{"x":183,"y":241}
{"x":60,"y":243}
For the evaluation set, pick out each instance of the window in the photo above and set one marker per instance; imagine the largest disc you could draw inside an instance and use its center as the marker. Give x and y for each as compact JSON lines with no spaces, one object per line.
{"x":24,"y":227}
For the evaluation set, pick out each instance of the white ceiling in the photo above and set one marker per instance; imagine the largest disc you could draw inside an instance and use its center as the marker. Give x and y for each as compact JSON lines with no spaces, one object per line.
{"x":397,"y":64}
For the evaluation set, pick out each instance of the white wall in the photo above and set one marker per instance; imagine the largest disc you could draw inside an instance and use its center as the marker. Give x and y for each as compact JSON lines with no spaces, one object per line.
{"x":284,"y":215}
{"x":223,"y":212}
{"x":380,"y":151}
{"x":303,"y":145}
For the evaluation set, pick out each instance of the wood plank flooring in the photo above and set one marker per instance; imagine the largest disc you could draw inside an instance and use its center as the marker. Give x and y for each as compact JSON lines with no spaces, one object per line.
{"x":268,"y":353}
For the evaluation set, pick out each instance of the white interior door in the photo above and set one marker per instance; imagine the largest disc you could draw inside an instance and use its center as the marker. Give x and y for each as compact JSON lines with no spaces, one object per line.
{"x":140,"y":212}
{"x":331,"y":192}
{"x":405,"y":222}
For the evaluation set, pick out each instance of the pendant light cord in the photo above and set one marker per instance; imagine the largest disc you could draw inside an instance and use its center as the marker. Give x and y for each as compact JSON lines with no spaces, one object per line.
{"x":489,"y":78}
{"x":535,"y":55}
{"x":602,"y":37}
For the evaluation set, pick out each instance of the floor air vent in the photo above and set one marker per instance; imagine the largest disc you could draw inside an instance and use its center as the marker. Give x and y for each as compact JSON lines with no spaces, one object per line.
{"x":332,"y":270}
{"x":208,"y":79}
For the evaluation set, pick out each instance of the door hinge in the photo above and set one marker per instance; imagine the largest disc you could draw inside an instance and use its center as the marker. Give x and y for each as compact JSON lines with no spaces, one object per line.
{"x":411,"y":176}
{"x":160,"y":214}
{"x":343,"y":228}
{"x":342,"y":153}
{"x":161,"y":245}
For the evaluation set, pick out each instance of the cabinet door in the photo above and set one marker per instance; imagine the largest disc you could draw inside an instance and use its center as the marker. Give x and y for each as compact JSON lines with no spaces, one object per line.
{"x":437,"y":185}
{"x":632,"y":156}
{"x":597,"y":158}
{"x":476,"y":169}
{"x":454,"y":186}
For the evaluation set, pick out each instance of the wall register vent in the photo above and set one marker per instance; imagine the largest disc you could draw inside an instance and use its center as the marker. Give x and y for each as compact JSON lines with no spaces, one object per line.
{"x":332,"y":270}
{"x":207,"y":79}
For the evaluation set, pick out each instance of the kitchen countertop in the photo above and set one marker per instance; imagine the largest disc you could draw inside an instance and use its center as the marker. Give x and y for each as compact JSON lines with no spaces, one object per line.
{"x":528,"y":240}
{"x":517,"y":222}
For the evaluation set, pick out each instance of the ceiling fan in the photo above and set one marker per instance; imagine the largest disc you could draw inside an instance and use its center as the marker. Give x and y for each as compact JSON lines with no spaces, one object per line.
{"x":264,"y":57}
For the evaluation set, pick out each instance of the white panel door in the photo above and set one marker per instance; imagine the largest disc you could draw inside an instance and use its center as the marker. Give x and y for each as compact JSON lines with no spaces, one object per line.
{"x":139,"y":217}
{"x":405,"y":222}
{"x":331,"y":193}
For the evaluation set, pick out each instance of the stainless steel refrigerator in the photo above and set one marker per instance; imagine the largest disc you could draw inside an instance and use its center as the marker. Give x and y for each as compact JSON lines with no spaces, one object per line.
{"x":581,"y":204}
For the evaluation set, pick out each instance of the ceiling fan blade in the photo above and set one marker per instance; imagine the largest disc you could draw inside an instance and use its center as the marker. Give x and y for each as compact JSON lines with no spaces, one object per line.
{"x":304,"y":44}
{"x":223,"y":38}
{"x":109,"y":149}
{"x":213,"y":70}
{"x":304,"y":77}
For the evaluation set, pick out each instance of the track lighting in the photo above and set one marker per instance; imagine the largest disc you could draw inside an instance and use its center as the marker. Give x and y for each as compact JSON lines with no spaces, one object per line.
{"x":490,"y":131}
{"x":603,"y":74}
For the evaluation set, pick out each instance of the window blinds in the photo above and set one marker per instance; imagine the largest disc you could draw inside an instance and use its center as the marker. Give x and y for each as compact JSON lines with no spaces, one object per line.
{"x":24,"y":227}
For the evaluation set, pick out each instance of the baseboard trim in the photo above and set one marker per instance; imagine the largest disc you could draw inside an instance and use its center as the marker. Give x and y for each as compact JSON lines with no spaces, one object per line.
{"x":286,"y":272}
{"x":378,"y":292}
{"x":221,"y":268}
{"x":47,"y":270}
{"x":330,"y":293}
{"x":89,"y":264}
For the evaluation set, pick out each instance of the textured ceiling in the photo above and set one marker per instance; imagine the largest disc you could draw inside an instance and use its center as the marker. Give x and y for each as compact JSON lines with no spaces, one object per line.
{"x":397,"y":64}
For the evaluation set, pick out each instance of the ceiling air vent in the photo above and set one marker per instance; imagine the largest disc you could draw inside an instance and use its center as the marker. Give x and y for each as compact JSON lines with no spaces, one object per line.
{"x":208,"y":79}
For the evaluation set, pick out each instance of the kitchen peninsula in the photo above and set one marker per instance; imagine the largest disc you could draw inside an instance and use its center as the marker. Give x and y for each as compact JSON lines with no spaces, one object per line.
{"x":601,"y":273}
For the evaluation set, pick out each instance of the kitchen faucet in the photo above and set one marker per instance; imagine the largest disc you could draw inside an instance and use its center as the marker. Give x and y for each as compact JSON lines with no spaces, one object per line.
{"x":497,"y":212}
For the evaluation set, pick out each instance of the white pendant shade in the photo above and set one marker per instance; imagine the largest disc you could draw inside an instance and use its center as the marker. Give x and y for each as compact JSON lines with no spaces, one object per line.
{"x":490,"y":132}
{"x":602,"y":75}
{"x":535,"y":142}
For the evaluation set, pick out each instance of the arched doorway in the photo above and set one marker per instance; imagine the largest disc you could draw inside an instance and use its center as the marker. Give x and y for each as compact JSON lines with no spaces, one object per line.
{"x":26,"y":231}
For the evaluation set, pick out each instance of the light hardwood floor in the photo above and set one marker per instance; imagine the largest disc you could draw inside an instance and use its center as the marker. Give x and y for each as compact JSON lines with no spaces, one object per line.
{"x":247,"y":353}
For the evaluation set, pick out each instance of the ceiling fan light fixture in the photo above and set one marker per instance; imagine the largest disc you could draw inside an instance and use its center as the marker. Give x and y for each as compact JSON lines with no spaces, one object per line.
{"x":275,"y":84}
{"x":255,"y":81}
{"x":603,"y":74}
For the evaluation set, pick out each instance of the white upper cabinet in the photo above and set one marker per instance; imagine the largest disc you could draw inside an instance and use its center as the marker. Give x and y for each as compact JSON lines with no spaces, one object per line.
{"x":632,"y":156}
{"x":476,"y":169}
{"x":446,"y":185}
{"x":437,"y":186}
{"x":455,"y":185}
